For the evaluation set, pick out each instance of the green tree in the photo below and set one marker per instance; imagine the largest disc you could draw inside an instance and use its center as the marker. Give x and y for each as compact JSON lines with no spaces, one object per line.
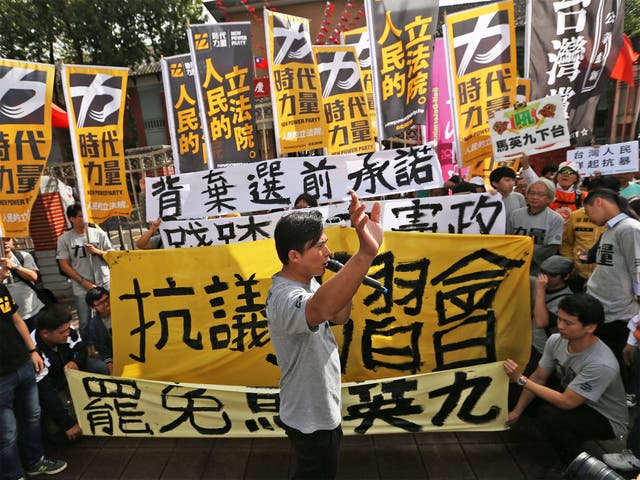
{"x":96,"y":32}
{"x":632,"y":22}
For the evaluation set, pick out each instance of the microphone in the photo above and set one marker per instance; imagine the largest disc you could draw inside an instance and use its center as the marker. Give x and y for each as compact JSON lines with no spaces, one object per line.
{"x":335,"y":266}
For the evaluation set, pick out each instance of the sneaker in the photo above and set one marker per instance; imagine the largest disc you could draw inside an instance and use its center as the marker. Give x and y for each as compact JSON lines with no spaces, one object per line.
{"x":631,"y":400}
{"x":625,"y":461}
{"x":46,"y":466}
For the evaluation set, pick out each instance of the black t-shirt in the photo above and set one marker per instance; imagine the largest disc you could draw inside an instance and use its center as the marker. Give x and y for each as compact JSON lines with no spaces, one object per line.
{"x":13,"y":351}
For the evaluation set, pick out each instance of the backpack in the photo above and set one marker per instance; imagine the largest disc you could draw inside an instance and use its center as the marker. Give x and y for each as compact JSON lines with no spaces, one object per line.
{"x":45,"y":295}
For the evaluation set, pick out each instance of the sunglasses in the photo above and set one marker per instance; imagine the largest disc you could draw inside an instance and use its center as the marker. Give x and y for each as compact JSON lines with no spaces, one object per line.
{"x":567,"y":171}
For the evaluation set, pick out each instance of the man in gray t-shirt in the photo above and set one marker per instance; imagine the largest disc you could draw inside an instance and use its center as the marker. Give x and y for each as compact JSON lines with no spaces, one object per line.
{"x":299,"y":313}
{"x":80,"y":252}
{"x":590,"y":401}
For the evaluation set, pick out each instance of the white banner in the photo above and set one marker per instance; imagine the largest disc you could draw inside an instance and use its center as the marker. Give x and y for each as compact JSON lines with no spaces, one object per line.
{"x":275,"y":184}
{"x":535,"y":127}
{"x":477,"y":213}
{"x":469,"y":399}
{"x":607,"y":159}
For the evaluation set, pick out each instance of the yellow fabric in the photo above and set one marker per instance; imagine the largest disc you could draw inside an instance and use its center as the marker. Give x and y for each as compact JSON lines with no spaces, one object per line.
{"x":391,"y":335}
{"x":109,"y":406}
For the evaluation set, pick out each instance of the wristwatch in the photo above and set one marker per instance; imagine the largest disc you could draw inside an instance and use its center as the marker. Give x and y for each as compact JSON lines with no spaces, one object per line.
{"x":522,"y":380}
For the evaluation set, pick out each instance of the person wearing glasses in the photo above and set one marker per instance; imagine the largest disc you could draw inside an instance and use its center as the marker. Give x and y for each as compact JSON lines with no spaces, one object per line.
{"x":568,"y":196}
{"x":538,"y":221}
{"x":99,"y":328}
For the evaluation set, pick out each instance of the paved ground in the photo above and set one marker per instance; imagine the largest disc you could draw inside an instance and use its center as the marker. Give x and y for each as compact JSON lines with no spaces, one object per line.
{"x":515,"y":454}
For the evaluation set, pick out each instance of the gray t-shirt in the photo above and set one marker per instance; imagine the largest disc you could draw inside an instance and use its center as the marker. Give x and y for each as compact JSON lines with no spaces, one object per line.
{"x":593,"y":374}
{"x":310,"y":398}
{"x":512,"y":202}
{"x":91,"y":267}
{"x":545,"y":227}
{"x":617,"y":264}
{"x":28,"y":302}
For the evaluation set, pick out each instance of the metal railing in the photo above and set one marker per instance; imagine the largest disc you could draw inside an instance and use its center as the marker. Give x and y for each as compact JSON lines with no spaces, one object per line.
{"x":139,"y":163}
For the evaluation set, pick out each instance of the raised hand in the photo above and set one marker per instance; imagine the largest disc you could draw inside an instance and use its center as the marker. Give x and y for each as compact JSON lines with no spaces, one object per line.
{"x":369,"y":229}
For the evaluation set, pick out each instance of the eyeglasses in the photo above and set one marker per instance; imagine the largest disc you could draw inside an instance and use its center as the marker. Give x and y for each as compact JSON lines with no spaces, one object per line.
{"x":567,"y":171}
{"x":537,"y":194}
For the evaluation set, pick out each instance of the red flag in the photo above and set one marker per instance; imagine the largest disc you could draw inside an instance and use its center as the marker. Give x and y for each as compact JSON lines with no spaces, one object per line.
{"x":59,"y":117}
{"x":623,"y":69}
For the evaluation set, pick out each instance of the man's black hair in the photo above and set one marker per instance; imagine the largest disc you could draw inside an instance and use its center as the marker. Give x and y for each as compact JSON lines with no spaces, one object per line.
{"x":603,"y":181}
{"x":311,"y":201}
{"x":53,"y":317}
{"x":295,"y":230}
{"x":549,"y":168}
{"x":499,"y":173}
{"x":612,"y":197}
{"x":582,"y":305}
{"x":94,"y":295}
{"x":72,"y":210}
{"x":464,"y":187}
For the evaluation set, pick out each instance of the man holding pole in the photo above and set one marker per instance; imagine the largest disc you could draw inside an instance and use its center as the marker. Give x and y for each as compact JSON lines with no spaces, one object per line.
{"x":81,"y":256}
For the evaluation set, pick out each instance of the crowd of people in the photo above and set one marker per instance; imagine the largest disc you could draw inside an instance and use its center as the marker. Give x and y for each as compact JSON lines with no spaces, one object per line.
{"x":582,"y":376}
{"x":38,"y":344}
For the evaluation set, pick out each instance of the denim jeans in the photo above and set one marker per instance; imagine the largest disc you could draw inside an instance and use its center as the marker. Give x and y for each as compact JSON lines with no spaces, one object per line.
{"x":18,"y":390}
{"x":83,"y":313}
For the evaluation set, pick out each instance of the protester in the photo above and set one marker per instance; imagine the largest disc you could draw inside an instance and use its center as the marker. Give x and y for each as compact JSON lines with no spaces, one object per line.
{"x":479,"y":183}
{"x":23,"y":271}
{"x":551,"y":286}
{"x":20,"y":440}
{"x":305,"y":200}
{"x":521,"y":186}
{"x":61,"y":348}
{"x":617,"y":269}
{"x":99,"y":328}
{"x":503,"y":179}
{"x":299,"y":312}
{"x":539,"y":222}
{"x":590,"y":403}
{"x":568,"y":196}
{"x":628,"y":187}
{"x":80,"y":253}
{"x":581,"y":234}
{"x":549,"y":171}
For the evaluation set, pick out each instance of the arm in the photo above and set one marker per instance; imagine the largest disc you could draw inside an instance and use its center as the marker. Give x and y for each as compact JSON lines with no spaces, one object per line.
{"x":535,"y":387}
{"x":23,"y":272}
{"x":540,"y":312}
{"x":527,"y":172}
{"x":36,"y":359}
{"x":143,"y":242}
{"x":333,"y":298}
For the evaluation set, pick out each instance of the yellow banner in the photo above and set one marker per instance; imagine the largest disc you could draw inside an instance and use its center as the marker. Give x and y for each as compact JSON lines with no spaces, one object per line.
{"x":450,"y":304}
{"x":359,"y":37}
{"x":344,"y":102}
{"x":25,"y":139}
{"x":482,"y":47}
{"x":295,"y":86}
{"x":95,"y":99}
{"x":474,"y":398}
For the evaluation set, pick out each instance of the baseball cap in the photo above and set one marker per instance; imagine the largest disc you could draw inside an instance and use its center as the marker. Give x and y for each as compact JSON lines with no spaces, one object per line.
{"x":477,"y":181}
{"x":556,"y":265}
{"x":568,"y":164}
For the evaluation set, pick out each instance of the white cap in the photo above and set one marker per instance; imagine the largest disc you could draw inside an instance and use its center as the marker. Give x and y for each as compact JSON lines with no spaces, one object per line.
{"x":477,"y":181}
